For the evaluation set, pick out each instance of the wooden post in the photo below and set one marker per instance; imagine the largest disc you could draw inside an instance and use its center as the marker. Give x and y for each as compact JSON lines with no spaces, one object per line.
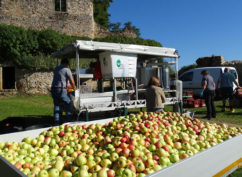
{"x":1,"y":77}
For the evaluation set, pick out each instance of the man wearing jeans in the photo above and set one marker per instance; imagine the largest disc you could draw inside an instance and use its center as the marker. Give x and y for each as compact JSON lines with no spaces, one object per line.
{"x":62,"y":74}
{"x":226,"y":81}
{"x":208,"y":87}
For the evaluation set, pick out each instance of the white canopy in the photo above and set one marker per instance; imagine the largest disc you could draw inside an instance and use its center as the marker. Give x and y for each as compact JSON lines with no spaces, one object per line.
{"x":97,"y":47}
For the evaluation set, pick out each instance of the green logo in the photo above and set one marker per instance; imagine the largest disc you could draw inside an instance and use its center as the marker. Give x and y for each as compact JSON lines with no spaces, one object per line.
{"x":118,"y":63}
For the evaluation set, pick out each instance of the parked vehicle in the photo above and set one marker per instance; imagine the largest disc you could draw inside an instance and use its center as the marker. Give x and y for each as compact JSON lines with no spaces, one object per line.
{"x":192,"y":78}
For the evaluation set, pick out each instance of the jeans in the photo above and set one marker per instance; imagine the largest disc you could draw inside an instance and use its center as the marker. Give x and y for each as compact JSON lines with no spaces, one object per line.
{"x":209,"y":100}
{"x":62,"y":102}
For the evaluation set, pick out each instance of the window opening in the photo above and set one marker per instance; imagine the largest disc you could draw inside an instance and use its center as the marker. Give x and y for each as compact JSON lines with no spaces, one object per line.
{"x":8,"y":77}
{"x":60,"y":5}
{"x":187,"y":77}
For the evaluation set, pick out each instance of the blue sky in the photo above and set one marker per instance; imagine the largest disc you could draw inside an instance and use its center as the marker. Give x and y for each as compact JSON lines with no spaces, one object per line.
{"x":196,"y":28}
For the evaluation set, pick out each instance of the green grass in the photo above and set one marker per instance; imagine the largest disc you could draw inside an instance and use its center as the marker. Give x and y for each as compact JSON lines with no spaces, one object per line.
{"x":221,"y":117}
{"x":27,"y":106}
{"x":20,"y":106}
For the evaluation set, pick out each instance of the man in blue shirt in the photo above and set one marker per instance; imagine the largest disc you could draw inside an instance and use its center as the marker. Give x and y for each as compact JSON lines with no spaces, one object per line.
{"x":226,"y":81}
{"x":62,"y":75}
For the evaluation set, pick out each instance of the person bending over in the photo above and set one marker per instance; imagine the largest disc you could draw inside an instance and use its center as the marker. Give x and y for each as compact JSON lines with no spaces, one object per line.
{"x":155,"y":96}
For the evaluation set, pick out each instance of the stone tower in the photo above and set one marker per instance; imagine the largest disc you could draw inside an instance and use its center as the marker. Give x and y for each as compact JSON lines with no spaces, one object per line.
{"x":72,"y":17}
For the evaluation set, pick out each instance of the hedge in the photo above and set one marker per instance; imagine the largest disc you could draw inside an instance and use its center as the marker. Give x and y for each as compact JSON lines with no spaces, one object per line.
{"x":31,"y":49}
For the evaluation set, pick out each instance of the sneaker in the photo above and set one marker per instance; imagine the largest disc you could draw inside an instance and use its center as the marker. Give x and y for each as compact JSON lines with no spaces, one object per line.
{"x":232,"y":110}
{"x":223,"y":109}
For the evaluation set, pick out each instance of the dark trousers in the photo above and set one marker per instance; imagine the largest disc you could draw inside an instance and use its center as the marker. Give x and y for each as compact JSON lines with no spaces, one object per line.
{"x":209,"y":100}
{"x":62,"y":102}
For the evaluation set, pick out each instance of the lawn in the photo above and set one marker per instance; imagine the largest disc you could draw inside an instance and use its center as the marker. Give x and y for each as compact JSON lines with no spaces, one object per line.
{"x":42,"y":106}
{"x":25,"y":106}
{"x":221,"y":117}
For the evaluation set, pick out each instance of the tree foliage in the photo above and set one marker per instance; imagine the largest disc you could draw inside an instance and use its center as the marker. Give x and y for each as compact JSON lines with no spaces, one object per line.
{"x":101,"y":15}
{"x":31,"y":48}
{"x":186,"y":68}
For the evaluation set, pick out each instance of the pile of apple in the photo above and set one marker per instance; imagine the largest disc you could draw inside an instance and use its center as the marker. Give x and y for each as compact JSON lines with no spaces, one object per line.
{"x":135,"y":145}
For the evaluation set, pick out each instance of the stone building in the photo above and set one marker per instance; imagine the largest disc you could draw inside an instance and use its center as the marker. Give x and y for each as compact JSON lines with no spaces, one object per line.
{"x":71,"y":17}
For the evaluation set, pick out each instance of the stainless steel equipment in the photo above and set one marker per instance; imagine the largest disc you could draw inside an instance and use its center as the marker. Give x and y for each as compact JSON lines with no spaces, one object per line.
{"x":119,"y":62}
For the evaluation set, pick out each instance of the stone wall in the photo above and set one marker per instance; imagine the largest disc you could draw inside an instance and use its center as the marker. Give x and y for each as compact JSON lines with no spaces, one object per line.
{"x":33,"y":82}
{"x":101,"y":32}
{"x":40,"y":14}
{"x":210,"y":61}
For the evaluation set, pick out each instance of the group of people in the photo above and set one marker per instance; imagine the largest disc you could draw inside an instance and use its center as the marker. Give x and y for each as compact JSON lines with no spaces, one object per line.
{"x":156,"y":97}
{"x":154,"y":93}
{"x":225,"y":83}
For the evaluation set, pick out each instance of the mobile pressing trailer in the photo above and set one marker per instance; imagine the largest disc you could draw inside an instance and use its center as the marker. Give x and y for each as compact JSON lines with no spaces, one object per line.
{"x":119,"y":63}
{"x":192,"y":78}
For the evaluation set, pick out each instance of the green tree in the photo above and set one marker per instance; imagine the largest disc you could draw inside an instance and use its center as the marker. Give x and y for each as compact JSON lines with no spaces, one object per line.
{"x":101,"y":15}
{"x":115,"y":27}
{"x":129,"y":26}
{"x":186,"y":68}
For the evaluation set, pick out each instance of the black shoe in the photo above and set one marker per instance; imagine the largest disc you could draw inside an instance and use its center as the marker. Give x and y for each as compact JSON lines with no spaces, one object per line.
{"x":207,"y":117}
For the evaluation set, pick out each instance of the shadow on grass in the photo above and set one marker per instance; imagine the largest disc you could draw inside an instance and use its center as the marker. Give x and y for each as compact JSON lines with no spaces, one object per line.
{"x":30,"y":122}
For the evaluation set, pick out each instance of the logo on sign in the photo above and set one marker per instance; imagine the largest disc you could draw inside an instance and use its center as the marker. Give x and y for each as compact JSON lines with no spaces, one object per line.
{"x":118,"y":63}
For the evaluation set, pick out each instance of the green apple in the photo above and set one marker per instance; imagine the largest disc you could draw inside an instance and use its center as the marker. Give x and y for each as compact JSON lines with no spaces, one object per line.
{"x":83,"y":173}
{"x":164,"y":161}
{"x":141,"y":175}
{"x":81,"y":160}
{"x":106,"y":163}
{"x":139,"y":165}
{"x":174,"y":158}
{"x":43,"y":173}
{"x":66,"y":173}
{"x":127,"y":173}
{"x":114,"y":156}
{"x":54,"y":172}
{"x":102,"y":173}
{"x":59,"y":165}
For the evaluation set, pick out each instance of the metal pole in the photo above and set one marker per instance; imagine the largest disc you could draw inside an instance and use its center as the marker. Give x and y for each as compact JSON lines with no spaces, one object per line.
{"x":77,"y":69}
{"x":114,"y":90}
{"x":176,"y":60}
{"x":136,"y":88}
{"x":78,"y":75}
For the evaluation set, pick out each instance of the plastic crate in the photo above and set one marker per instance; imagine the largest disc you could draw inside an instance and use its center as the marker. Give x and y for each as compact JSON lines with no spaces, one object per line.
{"x":188,"y":93}
{"x":202,"y":103}
{"x":191,"y":103}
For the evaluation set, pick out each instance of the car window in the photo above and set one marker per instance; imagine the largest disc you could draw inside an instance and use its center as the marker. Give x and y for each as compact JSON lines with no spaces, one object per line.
{"x":187,"y":77}
{"x":234,"y":73}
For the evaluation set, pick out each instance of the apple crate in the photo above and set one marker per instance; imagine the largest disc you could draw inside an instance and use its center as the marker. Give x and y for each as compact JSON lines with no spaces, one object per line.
{"x":202,"y":103}
{"x":188,"y":93}
{"x":9,"y":170}
{"x":220,"y":157}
